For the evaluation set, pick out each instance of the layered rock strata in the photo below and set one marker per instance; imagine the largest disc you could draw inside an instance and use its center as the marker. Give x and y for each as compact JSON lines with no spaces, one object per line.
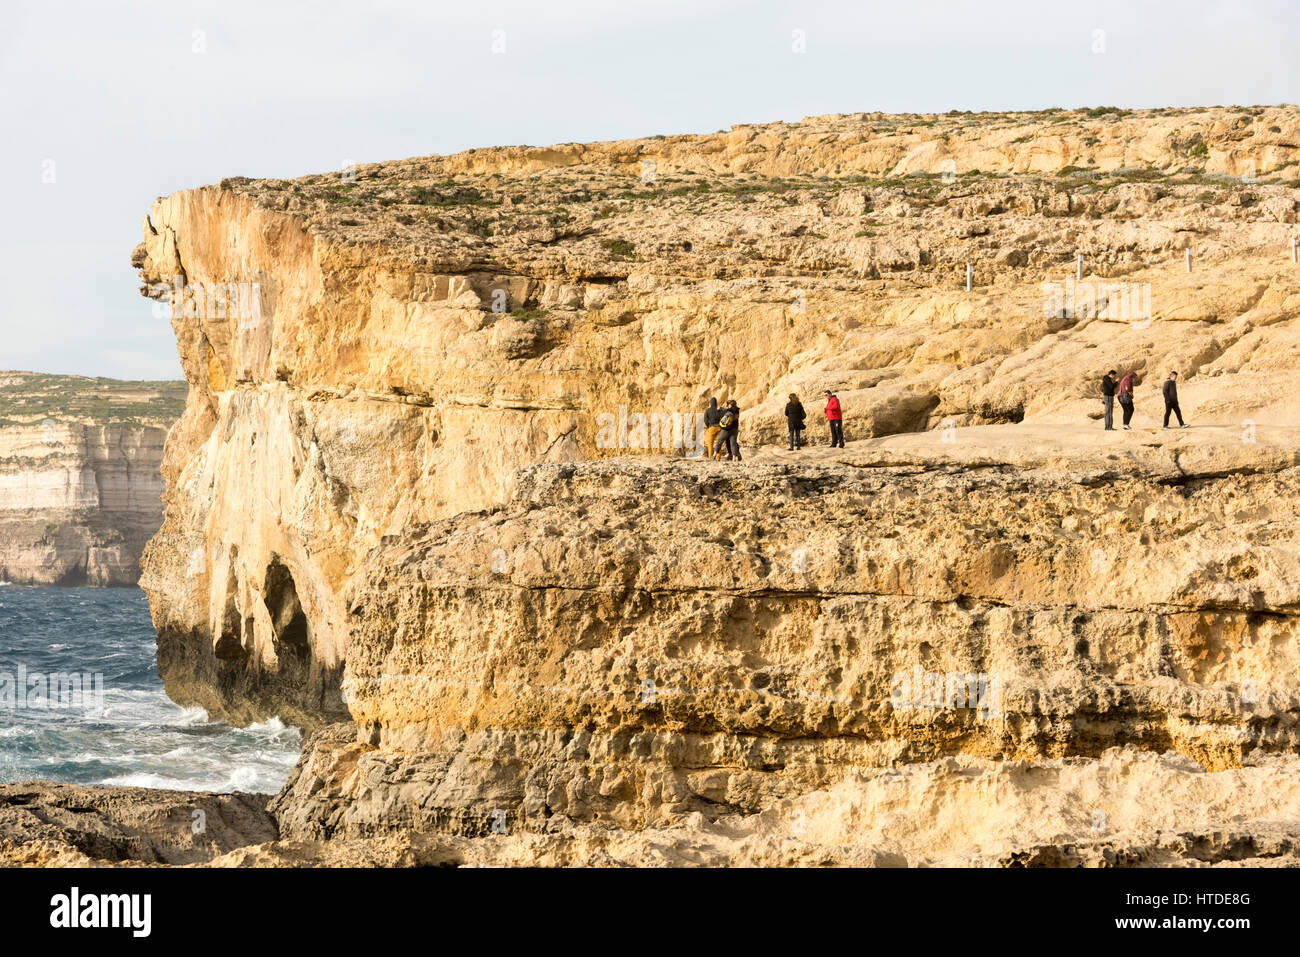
{"x":381,"y":516}
{"x":627,"y":643}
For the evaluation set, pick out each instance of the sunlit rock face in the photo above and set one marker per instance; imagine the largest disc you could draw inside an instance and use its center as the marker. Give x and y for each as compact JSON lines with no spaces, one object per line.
{"x":438,"y":478}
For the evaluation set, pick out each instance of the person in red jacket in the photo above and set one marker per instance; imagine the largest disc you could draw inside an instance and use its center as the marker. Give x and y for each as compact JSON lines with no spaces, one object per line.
{"x":1126,"y":396}
{"x":836,"y":419}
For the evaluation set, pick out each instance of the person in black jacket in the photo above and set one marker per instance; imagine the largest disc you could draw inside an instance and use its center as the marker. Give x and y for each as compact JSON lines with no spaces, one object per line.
{"x":1108,"y":389}
{"x":1171,"y":400}
{"x":794,"y":419}
{"x":728,"y":438}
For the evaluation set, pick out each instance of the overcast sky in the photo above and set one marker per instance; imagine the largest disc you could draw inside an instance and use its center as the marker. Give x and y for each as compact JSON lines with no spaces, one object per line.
{"x":121,"y":102}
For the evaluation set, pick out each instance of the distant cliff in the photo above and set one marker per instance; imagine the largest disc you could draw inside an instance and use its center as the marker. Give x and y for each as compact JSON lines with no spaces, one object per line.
{"x":80,"y":487}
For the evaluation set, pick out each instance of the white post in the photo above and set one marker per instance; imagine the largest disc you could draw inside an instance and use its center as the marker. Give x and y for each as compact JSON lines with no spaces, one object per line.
{"x":1189,"y":258}
{"x":1294,"y":243}
{"x":1078,"y":267}
{"x":970,"y":271}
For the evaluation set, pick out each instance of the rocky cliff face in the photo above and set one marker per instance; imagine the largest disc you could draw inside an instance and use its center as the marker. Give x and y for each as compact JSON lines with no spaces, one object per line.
{"x":80,"y":489}
{"x":362,"y":524}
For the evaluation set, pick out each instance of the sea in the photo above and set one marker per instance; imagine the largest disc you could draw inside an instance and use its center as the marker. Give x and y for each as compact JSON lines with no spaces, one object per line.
{"x":81,"y":702}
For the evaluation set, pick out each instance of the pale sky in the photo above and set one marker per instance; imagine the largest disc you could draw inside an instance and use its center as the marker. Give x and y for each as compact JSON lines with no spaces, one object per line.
{"x":128,"y":102}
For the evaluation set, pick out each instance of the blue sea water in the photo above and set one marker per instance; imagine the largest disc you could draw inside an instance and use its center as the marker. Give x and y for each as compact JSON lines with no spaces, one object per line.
{"x":130,"y":734}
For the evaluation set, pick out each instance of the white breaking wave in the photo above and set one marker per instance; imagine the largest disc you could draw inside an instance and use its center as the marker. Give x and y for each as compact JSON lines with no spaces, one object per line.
{"x":248,"y":779}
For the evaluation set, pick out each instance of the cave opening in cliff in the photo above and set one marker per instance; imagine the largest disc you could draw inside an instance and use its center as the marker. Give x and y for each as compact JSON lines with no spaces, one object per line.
{"x":290,"y":637}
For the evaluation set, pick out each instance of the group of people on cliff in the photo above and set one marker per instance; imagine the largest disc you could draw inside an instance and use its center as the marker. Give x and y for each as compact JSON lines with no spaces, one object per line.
{"x":722,"y":425}
{"x":1122,"y":390}
{"x":722,"y":422}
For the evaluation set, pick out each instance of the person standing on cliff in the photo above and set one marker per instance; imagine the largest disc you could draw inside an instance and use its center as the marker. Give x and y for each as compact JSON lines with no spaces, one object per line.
{"x":1108,"y":387}
{"x":794,"y":420}
{"x":835,"y":418}
{"x":711,"y":416}
{"x":728,"y":438}
{"x":1170,"y":392}
{"x":1126,"y":396}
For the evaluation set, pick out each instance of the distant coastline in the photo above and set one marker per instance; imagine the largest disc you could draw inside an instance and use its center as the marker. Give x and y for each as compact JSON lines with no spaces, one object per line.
{"x":80,"y":486}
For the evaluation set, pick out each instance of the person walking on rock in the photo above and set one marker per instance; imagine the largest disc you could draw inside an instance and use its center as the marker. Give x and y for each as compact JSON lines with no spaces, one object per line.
{"x":794,"y":419}
{"x":1108,"y":388}
{"x":728,"y":438}
{"x":711,"y":416}
{"x":835,"y":418}
{"x":1126,"y":396}
{"x":1170,"y":391}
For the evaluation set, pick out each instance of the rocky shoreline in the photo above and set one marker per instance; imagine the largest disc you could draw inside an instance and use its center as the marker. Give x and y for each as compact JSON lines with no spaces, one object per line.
{"x":1159,"y":811}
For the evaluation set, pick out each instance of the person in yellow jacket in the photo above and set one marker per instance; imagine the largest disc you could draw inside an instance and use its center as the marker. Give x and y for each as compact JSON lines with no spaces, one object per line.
{"x":712,"y":415}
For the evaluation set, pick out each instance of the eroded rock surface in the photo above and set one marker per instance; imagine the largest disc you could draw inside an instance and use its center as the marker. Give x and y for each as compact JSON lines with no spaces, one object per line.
{"x":381,"y":513}
{"x":629,"y":642}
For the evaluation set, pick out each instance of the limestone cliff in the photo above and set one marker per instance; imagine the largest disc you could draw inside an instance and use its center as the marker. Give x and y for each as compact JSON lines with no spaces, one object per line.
{"x":380,"y":507}
{"x":80,"y":490}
